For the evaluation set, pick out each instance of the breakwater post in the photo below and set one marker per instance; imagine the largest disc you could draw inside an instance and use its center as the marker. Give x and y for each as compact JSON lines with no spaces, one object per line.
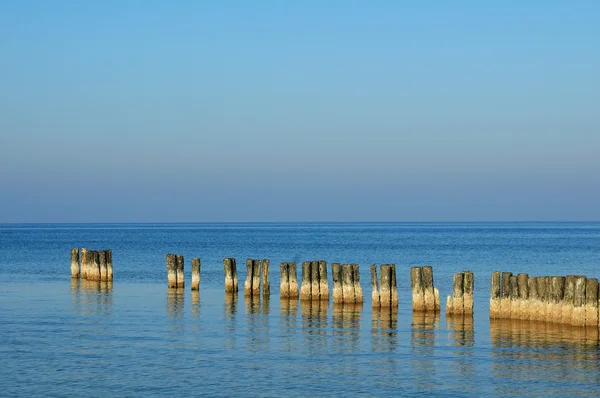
{"x":314,"y":281}
{"x":109,"y":265}
{"x":495,"y":296}
{"x":195,"y":274}
{"x":591,"y":302}
{"x":374,"y":287}
{"x":293,"y":278}
{"x":75,"y":263}
{"x":266,"y":285}
{"x":252,"y":284}
{"x":336,"y":278}
{"x":102,"y":265}
{"x":230,"y":270}
{"x":425,"y":296}
{"x":172,"y":270}
{"x":416,"y":285}
{"x":284,"y":280}
{"x":461,"y":301}
{"x":387,"y":294}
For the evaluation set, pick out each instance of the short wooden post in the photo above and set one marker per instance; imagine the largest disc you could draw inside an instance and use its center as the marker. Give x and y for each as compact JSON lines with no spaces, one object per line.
{"x":180,"y":272}
{"x":234,"y":275}
{"x":374,"y":288}
{"x":195,"y":274}
{"x":591,"y":303}
{"x":323,"y":282}
{"x":293,"y":280}
{"x":96,"y":266}
{"x":468,"y":285}
{"x":84,"y":263}
{"x":449,"y":306}
{"x":578,"y":318}
{"x":523,"y":288}
{"x":495,"y":295}
{"x":75,"y":263}
{"x":543,"y":283}
{"x":109,"y":265}
{"x":266,"y":285}
{"x":393,"y":286}
{"x":358,"y":292}
{"x":348,"y":283}
{"x":534,"y":299}
{"x":284,"y":280}
{"x":385,"y":285}
{"x":568,"y":303}
{"x":102,"y":265}
{"x":336,"y":278}
{"x":416,"y":284}
{"x":458,"y":294}
{"x":514,"y":297}
{"x":248,"y":283}
{"x":556,"y":293}
{"x":428,"y":294}
{"x":172,"y":270}
{"x":228,"y":271}
{"x":256,"y":278}
{"x":315,"y":284}
{"x":505,"y":302}
{"x":305,"y":289}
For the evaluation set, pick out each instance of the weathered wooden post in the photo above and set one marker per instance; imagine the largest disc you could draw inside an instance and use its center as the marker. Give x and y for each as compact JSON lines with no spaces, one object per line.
{"x":315,"y":285}
{"x":228,"y":271}
{"x":75,"y":263}
{"x":505,"y":303}
{"x":458,"y":294}
{"x":468,"y":285}
{"x":374,"y":288}
{"x":305,"y":289}
{"x":514,"y":297}
{"x":96,"y":266}
{"x":556,"y":293}
{"x":416,"y":284}
{"x":293,"y":280}
{"x":523,"y":289}
{"x":393,"y":286}
{"x":180,"y":274}
{"x":428,"y":294}
{"x":544,"y":302}
{"x":234,"y":275}
{"x":323,"y":282}
{"x":109,"y":265}
{"x":256,"y":278}
{"x":284,"y":280}
{"x":249,"y":278}
{"x":579,"y":301}
{"x":102,"y":265}
{"x":172,"y":270}
{"x":385,"y":285}
{"x":568,"y":300}
{"x":358,"y":293}
{"x":266,"y":285}
{"x":591,"y":303}
{"x":534,"y":299}
{"x":336,"y":278}
{"x":495,"y":295}
{"x":348,"y":283}
{"x":84,"y":260}
{"x":195,"y":274}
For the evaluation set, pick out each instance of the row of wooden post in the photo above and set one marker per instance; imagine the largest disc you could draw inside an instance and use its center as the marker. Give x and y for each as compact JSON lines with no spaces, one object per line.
{"x":461,"y":301}
{"x":314,"y":281}
{"x":175,"y":272}
{"x":571,"y":300}
{"x":93,"y":265}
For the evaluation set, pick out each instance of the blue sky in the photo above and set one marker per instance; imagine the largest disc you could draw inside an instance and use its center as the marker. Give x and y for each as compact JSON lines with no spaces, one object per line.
{"x":307,"y":111}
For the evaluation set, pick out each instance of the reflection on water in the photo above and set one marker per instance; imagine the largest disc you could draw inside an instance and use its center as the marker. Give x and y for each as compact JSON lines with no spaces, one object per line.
{"x":563,"y":356}
{"x":91,"y":297}
{"x":462,"y":337}
{"x":424,"y":325}
{"x":384,"y":333}
{"x":195,"y":304}
{"x":229,"y":311}
{"x":288,"y":314}
{"x":314,"y":325}
{"x":257,"y":325}
{"x":175,"y":303}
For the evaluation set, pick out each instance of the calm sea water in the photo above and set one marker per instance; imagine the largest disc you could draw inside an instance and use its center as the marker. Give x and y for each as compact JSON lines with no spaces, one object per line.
{"x":134,"y":337}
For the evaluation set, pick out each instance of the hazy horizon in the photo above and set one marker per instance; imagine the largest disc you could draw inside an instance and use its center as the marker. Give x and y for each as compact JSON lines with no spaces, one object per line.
{"x":133,"y":111}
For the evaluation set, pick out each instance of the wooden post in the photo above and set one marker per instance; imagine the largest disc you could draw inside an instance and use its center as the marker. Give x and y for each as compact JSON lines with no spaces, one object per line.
{"x":84,"y":263}
{"x":336,"y":277}
{"x":323,"y":282}
{"x":505,"y":296}
{"x":96,"y":266}
{"x":256,"y":278}
{"x":416,"y":284}
{"x":305,"y":289}
{"x":284,"y":281}
{"x":468,"y":286}
{"x":75,"y":263}
{"x":293,"y":280}
{"x":495,"y":296}
{"x":543,"y":283}
{"x":534,"y":299}
{"x":514,"y":297}
{"x":172,"y":270}
{"x":523,"y":288}
{"x":385,"y":293}
{"x":234,"y":275}
{"x":358,"y":293}
{"x":428,"y":294}
{"x":458,"y":294}
{"x":348,"y":283}
{"x":449,"y":306}
{"x":315,"y":284}
{"x":109,"y":265}
{"x":591,"y":303}
{"x":228,"y":271}
{"x":180,"y":274}
{"x":579,"y":301}
{"x":393,"y":286}
{"x":102,"y":265}
{"x":374,"y":288}
{"x":556,"y":292}
{"x":568,"y":300}
{"x":266,"y":285}
{"x":195,"y":274}
{"x":248,"y":283}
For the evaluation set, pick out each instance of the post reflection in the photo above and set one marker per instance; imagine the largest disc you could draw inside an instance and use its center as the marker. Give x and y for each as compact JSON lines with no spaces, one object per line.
{"x":195,"y":304}
{"x":229,"y":314}
{"x":257,"y":337}
{"x":91,"y":297}
{"x":288,"y":313}
{"x":564,"y":355}
{"x":175,"y":303}
{"x":314,"y":324}
{"x":346,"y":326}
{"x":423,"y":332}
{"x":462,"y":336}
{"x":384,"y":334}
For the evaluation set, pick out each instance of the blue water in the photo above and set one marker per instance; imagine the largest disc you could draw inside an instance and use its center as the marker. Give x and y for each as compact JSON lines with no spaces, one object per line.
{"x":134,"y":337}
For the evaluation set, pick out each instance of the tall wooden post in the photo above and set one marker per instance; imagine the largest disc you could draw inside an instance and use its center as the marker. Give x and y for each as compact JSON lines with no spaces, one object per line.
{"x":495,"y":295}
{"x":358,"y":293}
{"x":195,"y":274}
{"x":293,"y":280}
{"x":323,"y":282}
{"x":266,"y":285}
{"x":172,"y":270}
{"x":75,"y":263}
{"x":374,"y":288}
{"x":336,"y":278}
{"x":416,"y":284}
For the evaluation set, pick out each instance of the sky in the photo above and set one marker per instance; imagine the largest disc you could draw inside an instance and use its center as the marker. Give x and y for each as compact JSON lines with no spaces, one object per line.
{"x":235,"y":111}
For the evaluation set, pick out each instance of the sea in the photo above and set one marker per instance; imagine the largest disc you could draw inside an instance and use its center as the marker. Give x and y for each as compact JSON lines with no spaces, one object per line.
{"x":136,"y":337}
